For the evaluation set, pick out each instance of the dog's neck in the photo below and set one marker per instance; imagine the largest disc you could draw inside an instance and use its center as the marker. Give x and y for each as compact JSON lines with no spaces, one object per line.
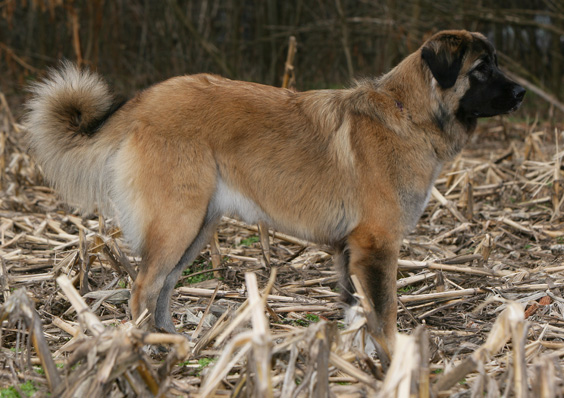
{"x":418,"y":97}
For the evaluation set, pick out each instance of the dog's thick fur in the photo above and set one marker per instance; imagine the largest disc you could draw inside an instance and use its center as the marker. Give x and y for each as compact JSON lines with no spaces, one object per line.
{"x":351,"y":168}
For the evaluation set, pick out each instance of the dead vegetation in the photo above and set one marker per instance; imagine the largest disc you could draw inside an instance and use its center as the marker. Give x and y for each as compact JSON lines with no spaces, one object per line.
{"x":480,"y":293}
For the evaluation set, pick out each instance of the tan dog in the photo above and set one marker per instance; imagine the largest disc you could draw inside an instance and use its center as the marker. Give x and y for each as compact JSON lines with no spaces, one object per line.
{"x":351,"y":168}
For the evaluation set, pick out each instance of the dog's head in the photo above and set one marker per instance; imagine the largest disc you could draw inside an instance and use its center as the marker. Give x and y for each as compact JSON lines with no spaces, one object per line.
{"x":465,"y":64}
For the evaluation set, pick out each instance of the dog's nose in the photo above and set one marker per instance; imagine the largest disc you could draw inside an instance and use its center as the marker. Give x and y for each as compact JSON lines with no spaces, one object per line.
{"x":519,"y":92}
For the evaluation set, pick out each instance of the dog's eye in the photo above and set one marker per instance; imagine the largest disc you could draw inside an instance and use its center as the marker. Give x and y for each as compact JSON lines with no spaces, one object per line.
{"x":484,"y":67}
{"x":482,"y":71}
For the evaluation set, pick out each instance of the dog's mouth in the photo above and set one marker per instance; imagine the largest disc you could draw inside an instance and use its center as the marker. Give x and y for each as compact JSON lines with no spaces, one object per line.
{"x":517,"y":95}
{"x":517,"y":106}
{"x":479,"y":114}
{"x":500,"y":108}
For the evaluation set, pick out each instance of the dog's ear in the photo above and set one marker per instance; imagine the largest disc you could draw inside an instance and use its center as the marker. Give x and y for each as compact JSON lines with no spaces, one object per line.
{"x":443,"y":55}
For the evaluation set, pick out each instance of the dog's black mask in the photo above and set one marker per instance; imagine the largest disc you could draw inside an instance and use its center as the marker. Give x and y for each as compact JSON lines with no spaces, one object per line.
{"x":491,"y":93}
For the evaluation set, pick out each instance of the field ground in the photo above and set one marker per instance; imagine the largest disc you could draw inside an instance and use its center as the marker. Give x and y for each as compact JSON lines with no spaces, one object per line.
{"x":483,"y":273}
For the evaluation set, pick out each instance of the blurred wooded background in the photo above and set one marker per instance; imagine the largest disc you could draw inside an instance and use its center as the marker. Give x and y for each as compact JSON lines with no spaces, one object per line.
{"x":135,"y":43}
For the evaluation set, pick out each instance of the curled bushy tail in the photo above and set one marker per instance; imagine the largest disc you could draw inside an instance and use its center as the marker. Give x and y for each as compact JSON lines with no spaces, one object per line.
{"x":65,"y":124}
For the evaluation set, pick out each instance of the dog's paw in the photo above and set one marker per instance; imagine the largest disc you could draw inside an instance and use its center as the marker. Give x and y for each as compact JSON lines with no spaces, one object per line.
{"x":359,"y":338}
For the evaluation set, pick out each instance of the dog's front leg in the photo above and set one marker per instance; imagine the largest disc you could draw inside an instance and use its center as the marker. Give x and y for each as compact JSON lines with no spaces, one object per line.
{"x":373,"y":254}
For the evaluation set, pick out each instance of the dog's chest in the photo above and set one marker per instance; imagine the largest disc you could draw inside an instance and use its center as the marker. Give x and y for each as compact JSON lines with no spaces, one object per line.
{"x":414,"y":201}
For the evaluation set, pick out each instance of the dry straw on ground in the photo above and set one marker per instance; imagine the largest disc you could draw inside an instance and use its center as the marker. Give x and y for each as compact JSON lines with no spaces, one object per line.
{"x":480,"y":294}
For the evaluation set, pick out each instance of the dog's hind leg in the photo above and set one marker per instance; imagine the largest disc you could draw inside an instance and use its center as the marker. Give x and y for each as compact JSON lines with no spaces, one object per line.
{"x":172,"y":245}
{"x":162,"y":315}
{"x":173,"y":195}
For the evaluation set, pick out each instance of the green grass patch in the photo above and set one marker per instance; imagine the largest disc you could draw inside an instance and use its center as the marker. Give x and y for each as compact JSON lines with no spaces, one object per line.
{"x":312,"y":318}
{"x":204,"y":363}
{"x":250,"y":240}
{"x":28,"y":388}
{"x":300,"y":322}
{"x":309,"y":319}
{"x":195,"y":267}
{"x":9,"y":392}
{"x":405,"y":289}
